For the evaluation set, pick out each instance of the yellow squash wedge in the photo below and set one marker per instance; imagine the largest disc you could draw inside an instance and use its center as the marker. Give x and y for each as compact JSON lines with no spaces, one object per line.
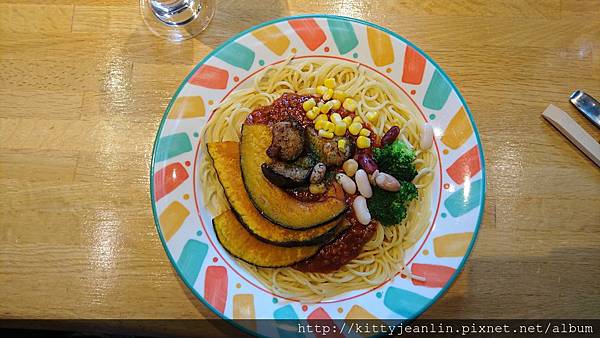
{"x":226,"y":159}
{"x":241,"y":244}
{"x":273,"y":202}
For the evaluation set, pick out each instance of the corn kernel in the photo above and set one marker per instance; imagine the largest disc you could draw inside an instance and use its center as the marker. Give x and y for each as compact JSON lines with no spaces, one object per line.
{"x":347,"y":120}
{"x":336,"y":104}
{"x":342,"y":143}
{"x":328,"y":126}
{"x":317,"y":188}
{"x":326,"y":107}
{"x":320,"y":104}
{"x":325,"y":134}
{"x":329,"y":83}
{"x":373,"y":116}
{"x":335,"y":117}
{"x":316,"y":110}
{"x":357,"y":119}
{"x":355,"y":128}
{"x":321,"y":117}
{"x":322,"y":90}
{"x":308,"y":104}
{"x":340,"y":128}
{"x":311,"y":115}
{"x":328,"y":94}
{"x":339,"y":95}
{"x":349,"y":104}
{"x":365,"y":132}
{"x":363,"y":142}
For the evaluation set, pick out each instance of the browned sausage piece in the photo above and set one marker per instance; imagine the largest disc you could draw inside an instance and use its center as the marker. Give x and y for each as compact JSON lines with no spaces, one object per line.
{"x":285,"y":175}
{"x":288,"y":141}
{"x":328,"y":150}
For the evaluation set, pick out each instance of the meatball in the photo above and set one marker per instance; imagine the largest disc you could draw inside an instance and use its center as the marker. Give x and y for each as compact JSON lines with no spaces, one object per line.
{"x":288,"y":141}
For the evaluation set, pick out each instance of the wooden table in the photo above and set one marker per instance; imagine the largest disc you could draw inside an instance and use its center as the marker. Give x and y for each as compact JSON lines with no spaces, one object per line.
{"x":83,"y":85}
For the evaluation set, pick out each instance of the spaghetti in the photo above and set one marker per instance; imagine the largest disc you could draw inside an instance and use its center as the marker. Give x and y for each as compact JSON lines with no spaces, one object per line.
{"x":383,"y":256}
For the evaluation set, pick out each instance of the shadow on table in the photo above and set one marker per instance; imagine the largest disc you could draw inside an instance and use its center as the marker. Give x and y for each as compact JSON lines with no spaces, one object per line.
{"x":234,"y":16}
{"x":561,"y":284}
{"x":231,"y":17}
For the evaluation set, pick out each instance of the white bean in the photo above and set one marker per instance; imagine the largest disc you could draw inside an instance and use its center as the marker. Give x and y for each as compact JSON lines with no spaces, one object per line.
{"x":387,"y":182}
{"x":347,"y":183}
{"x":350,"y":167}
{"x":426,"y":137}
{"x":373,"y":176}
{"x":362,"y":182}
{"x":361,"y":211}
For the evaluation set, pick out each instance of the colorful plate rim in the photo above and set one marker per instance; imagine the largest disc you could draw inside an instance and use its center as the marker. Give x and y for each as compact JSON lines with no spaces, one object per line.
{"x":467,"y":254}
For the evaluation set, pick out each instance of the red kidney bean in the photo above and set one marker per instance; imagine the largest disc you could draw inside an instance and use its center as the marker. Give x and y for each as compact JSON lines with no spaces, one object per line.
{"x":367,"y":162}
{"x":390,"y":136}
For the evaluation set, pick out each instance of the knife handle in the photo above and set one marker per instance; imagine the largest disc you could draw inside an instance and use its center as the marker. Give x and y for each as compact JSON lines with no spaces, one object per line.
{"x":566,"y":125}
{"x":587,"y":105}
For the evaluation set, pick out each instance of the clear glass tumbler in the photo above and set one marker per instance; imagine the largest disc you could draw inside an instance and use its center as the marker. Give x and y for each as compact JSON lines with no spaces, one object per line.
{"x":177,"y":20}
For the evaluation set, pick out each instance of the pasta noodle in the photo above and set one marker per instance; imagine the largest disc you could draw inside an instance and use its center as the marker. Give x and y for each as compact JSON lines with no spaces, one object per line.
{"x":383,"y":256}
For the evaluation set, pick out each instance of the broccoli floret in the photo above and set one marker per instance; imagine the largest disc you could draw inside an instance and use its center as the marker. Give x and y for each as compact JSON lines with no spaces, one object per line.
{"x":390,"y":207}
{"x":397,"y":160}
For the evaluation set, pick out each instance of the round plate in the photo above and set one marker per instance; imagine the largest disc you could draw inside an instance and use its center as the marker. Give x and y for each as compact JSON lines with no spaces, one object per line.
{"x":184,"y":225}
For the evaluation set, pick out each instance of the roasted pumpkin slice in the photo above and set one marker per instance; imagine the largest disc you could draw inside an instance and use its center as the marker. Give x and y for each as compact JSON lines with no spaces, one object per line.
{"x":226,"y":158}
{"x":241,"y":244}
{"x":273,"y":202}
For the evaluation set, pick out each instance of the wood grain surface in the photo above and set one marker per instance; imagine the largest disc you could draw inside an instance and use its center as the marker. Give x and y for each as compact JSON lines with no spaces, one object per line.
{"x":83,"y":85}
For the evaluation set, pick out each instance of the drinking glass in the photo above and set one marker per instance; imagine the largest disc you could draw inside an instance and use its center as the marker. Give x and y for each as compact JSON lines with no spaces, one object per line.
{"x":177,"y":20}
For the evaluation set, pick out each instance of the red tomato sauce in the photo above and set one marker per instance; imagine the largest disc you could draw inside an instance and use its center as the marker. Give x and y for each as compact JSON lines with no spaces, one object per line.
{"x":305,"y":196}
{"x":287,"y":106}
